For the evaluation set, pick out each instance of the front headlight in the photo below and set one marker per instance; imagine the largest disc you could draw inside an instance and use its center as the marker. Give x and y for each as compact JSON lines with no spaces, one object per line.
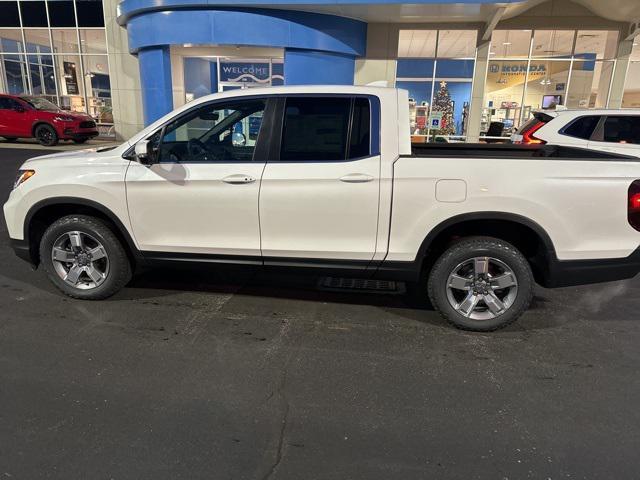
{"x":23,"y":176}
{"x":63,"y":118}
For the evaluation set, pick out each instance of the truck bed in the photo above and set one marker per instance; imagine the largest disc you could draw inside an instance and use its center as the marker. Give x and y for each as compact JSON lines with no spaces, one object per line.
{"x":495,"y":150}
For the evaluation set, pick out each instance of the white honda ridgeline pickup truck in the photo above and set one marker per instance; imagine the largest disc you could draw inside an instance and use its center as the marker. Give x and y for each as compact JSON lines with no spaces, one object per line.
{"x":326,"y":177}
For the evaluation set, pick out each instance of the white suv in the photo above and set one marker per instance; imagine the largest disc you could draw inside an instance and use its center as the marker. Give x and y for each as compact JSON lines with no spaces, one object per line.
{"x":616,"y":131}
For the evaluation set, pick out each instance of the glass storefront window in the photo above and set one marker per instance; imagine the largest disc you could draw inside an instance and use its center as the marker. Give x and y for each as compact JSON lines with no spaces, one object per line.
{"x":98,"y":88}
{"x":564,"y":68}
{"x":93,"y":41}
{"x":457,"y":43}
{"x":546,"y":85}
{"x":598,"y":44}
{"x":631,"y":98}
{"x":37,"y":40}
{"x":69,"y":82}
{"x":14,"y":74}
{"x":65,"y":40}
{"x":552,"y":43}
{"x":9,"y":16}
{"x":589,"y":84}
{"x":61,"y":13}
{"x":90,"y":13}
{"x":510,"y":44}
{"x":34,"y":13}
{"x":503,"y":97}
{"x":417,"y":43}
{"x":436,"y":67}
{"x":11,"y":41}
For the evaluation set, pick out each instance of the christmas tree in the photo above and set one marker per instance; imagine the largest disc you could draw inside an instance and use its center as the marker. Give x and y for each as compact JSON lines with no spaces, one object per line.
{"x":442,"y":103}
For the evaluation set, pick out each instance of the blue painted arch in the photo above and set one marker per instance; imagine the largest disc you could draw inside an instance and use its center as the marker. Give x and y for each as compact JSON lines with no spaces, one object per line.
{"x":257,"y":28}
{"x":319,"y":48}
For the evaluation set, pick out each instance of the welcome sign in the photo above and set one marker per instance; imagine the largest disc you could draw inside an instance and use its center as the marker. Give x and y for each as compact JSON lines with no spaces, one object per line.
{"x":249,"y":72}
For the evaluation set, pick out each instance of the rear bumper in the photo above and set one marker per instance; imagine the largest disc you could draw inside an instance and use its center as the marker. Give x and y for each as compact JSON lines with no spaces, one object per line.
{"x":581,"y":272}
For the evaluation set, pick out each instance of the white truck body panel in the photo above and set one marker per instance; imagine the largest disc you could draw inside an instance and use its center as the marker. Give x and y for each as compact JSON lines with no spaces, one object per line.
{"x":317,"y":210}
{"x":564,"y":197}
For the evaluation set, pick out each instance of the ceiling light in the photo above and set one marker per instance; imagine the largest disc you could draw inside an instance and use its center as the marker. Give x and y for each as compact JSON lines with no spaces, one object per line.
{"x":506,"y":43}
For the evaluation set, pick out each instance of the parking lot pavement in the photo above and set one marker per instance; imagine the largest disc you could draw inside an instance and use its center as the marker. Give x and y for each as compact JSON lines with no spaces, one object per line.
{"x":35,"y":148}
{"x":236,"y":374}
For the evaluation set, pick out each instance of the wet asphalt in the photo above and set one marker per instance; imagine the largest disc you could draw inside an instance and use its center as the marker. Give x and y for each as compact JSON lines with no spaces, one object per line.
{"x":244,"y":374}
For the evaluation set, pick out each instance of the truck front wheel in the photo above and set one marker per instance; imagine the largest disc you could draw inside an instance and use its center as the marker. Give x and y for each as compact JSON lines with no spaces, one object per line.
{"x":481,"y":284}
{"x":83,"y":258}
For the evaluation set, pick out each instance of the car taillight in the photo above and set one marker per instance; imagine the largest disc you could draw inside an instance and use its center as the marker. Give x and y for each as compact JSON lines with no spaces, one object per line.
{"x":633,"y":207}
{"x":528,"y":136}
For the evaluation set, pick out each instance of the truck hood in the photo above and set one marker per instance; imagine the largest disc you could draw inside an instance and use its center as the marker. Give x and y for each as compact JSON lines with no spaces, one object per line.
{"x":99,"y":155}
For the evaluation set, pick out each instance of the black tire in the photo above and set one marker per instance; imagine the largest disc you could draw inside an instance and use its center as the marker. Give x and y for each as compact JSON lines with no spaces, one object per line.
{"x":46,"y":135}
{"x":11,"y":139}
{"x":80,"y":141}
{"x":465,"y":250}
{"x":119,"y":267}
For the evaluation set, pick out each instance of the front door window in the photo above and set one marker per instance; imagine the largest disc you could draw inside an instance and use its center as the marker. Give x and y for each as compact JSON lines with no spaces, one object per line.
{"x":214,"y":133}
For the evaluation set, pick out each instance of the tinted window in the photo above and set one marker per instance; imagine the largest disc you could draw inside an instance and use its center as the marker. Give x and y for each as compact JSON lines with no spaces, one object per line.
{"x":9,"y":14}
{"x":34,"y":14}
{"x":61,"y":14}
{"x":315,"y":129}
{"x":8,"y":103}
{"x":214,"y":133}
{"x":582,"y":127}
{"x":360,"y":144}
{"x":622,"y":129}
{"x":90,"y":13}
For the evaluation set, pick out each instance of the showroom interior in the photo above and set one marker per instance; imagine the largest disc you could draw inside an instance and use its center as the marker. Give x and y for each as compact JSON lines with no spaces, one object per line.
{"x":470,"y":65}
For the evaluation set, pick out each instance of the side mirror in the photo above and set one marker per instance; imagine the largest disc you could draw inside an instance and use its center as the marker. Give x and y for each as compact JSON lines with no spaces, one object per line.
{"x":19,"y":108}
{"x":144,"y":152}
{"x":238,"y":139}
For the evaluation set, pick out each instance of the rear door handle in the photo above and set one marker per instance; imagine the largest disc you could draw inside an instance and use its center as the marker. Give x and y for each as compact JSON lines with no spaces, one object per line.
{"x":356,"y":178}
{"x":238,"y":179}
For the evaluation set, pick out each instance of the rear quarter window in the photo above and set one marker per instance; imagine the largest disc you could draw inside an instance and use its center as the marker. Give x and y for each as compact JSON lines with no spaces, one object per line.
{"x":582,"y":127}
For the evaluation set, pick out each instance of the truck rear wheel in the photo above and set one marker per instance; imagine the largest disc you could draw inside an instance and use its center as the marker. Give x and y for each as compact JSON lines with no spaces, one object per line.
{"x":83,"y":258}
{"x":481,"y":284}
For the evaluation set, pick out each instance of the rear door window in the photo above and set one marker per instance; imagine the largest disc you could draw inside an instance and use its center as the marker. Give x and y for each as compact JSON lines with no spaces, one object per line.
{"x":326,"y":129}
{"x":621,"y":129}
{"x":582,"y":127}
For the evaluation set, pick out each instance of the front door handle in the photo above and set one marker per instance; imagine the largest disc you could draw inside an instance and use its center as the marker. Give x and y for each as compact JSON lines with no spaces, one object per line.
{"x":356,"y":178}
{"x":238,"y":179}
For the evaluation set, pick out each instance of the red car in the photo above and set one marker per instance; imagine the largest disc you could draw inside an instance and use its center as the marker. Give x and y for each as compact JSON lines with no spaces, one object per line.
{"x":33,"y":117}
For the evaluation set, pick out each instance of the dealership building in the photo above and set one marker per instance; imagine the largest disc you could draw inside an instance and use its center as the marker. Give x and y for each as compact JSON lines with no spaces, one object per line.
{"x":470,"y":67}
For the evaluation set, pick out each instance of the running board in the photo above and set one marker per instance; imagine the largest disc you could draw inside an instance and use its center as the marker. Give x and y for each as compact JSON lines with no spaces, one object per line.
{"x":341,"y":284}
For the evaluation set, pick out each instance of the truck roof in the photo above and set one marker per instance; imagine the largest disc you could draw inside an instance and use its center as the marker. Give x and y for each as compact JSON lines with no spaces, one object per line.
{"x":301,"y":89}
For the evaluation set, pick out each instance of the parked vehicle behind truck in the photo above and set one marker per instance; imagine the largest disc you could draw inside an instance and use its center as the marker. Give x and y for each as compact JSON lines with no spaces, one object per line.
{"x":331,"y":182}
{"x":605,"y":130}
{"x":35,"y":117}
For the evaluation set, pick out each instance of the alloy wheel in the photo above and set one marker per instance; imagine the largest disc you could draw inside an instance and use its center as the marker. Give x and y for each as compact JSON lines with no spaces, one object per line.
{"x":482,"y":288}
{"x":80,"y":260}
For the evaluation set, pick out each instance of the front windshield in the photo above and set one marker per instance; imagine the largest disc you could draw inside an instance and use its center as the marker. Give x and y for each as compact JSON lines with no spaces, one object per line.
{"x":40,"y":103}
